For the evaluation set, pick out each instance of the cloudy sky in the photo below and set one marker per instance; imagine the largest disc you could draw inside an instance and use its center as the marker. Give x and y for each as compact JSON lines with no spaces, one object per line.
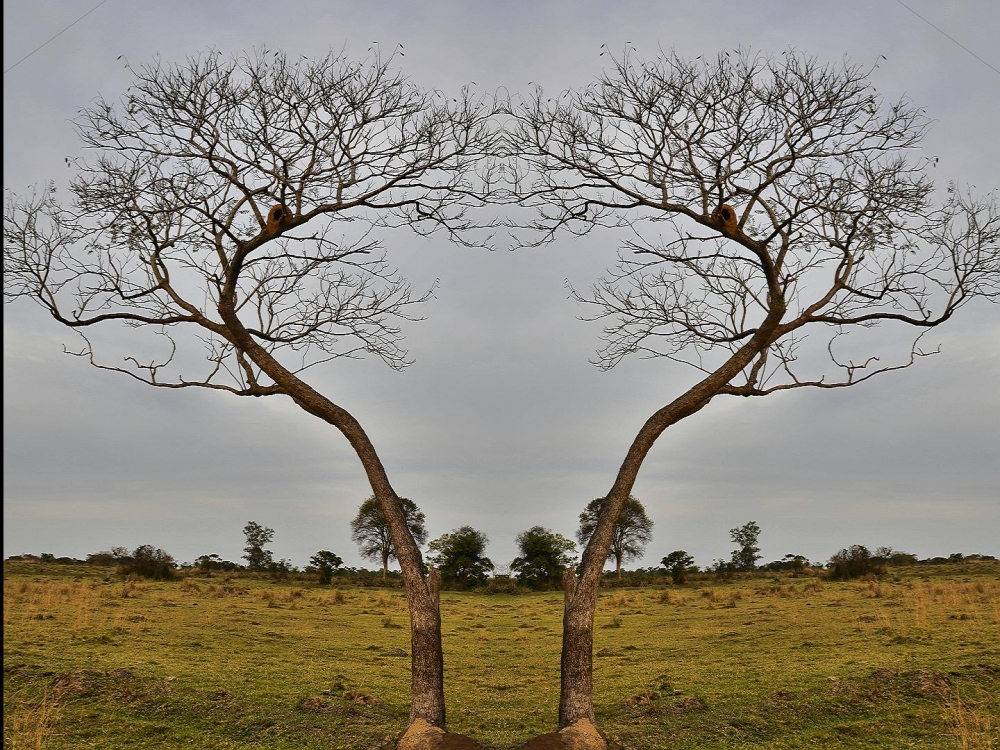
{"x":501,"y":423}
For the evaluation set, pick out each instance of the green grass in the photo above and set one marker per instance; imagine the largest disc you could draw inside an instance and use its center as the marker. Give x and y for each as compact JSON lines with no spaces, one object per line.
{"x":910,"y":661}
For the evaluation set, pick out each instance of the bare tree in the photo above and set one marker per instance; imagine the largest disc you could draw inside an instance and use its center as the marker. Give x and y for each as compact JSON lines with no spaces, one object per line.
{"x":211,"y":215}
{"x":633,"y":531}
{"x":790,"y":206}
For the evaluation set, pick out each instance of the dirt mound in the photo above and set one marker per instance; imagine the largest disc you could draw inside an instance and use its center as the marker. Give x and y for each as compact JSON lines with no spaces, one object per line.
{"x":423,"y":736}
{"x":90,"y":680}
{"x":930,"y":683}
{"x":582,"y":735}
{"x":643,"y":699}
{"x":312,"y":704}
{"x":690,"y":704}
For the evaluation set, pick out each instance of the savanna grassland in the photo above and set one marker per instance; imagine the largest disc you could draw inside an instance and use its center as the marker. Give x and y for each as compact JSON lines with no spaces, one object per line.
{"x":909,"y":660}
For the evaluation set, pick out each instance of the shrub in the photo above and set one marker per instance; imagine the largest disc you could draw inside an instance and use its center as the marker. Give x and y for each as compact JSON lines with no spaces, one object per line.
{"x":502,"y":585}
{"x":854,"y":562}
{"x":106,"y":559}
{"x":148,"y":562}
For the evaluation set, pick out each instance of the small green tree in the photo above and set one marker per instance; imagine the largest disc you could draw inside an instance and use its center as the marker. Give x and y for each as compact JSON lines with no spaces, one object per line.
{"x":631,"y":535}
{"x":370,"y":530}
{"x":677,"y":562}
{"x":460,"y":558}
{"x":325,"y":562}
{"x":745,"y":558}
{"x":544,"y":557}
{"x":257,"y":536}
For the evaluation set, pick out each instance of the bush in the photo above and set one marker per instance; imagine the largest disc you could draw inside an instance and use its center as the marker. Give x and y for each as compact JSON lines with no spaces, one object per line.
{"x":854,"y":562}
{"x":637,"y":578}
{"x":148,"y":562}
{"x":106,"y":559}
{"x":902,"y":558}
{"x":502,"y":585}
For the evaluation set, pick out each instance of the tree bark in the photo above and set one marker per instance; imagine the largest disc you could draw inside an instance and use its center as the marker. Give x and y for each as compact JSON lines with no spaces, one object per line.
{"x":569,"y":587}
{"x":434,"y":585}
{"x":427,"y":656}
{"x":576,"y":688}
{"x":385,"y":566}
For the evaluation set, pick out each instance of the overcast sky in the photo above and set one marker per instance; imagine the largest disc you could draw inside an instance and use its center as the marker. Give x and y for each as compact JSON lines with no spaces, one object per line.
{"x":501,"y":423}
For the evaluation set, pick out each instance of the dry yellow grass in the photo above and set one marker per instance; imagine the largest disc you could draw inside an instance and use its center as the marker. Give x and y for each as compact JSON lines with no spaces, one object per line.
{"x":910,"y":660}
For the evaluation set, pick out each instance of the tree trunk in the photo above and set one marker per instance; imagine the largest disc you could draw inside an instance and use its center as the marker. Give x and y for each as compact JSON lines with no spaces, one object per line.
{"x":385,"y":566}
{"x":427,"y":657}
{"x":618,"y":567}
{"x":576,"y":688}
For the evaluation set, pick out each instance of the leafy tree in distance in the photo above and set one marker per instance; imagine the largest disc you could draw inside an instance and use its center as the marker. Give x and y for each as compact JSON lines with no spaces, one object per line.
{"x":460,"y":557}
{"x":677,"y":563}
{"x":776,"y":217}
{"x":745,"y":558}
{"x":210,"y":226}
{"x":326,"y":562}
{"x":544,"y":557}
{"x":256,"y":556}
{"x":632,"y":533}
{"x":370,"y":530}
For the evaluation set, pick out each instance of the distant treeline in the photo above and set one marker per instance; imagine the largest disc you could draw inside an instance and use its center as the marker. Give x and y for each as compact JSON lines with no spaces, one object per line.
{"x":155,"y":566}
{"x":460,"y":556}
{"x":149,"y":562}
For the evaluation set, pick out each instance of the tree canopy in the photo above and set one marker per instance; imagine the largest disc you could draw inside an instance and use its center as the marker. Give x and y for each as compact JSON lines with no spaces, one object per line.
{"x":746,"y":536}
{"x":677,"y":562}
{"x":544,"y":557}
{"x":223,"y":183}
{"x":257,"y":557}
{"x":326,"y":562}
{"x":460,"y":557}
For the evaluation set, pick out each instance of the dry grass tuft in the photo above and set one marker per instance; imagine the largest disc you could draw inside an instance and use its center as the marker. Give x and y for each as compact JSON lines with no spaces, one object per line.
{"x":29,"y":725}
{"x":973,"y":727}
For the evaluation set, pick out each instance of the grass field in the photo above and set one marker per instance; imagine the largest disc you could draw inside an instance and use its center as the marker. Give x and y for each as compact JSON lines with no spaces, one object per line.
{"x":912,"y":660}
